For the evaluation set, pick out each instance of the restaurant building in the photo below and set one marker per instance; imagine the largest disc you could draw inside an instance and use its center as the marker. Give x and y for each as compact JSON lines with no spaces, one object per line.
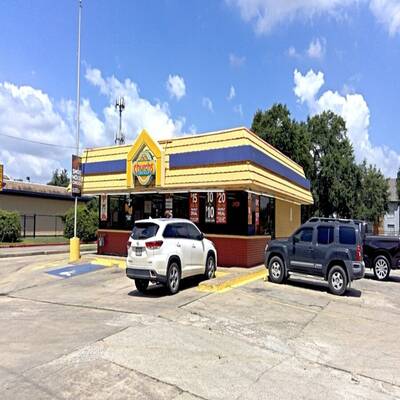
{"x":239,"y":190}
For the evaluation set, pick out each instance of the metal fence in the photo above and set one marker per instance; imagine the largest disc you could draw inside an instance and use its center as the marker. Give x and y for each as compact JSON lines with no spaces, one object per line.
{"x":41,"y":225}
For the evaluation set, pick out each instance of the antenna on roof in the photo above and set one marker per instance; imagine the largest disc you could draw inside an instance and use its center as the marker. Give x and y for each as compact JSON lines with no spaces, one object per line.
{"x":120,"y":106}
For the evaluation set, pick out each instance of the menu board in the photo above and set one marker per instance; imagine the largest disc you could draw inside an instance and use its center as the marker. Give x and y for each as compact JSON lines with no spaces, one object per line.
{"x":249,"y":209}
{"x":210,"y":208}
{"x":194,"y":207}
{"x":103,"y":207}
{"x":221,"y":208}
{"x":257,"y":211}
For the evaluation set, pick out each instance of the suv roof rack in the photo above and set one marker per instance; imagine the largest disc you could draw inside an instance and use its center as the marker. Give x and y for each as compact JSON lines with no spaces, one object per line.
{"x":325,"y":219}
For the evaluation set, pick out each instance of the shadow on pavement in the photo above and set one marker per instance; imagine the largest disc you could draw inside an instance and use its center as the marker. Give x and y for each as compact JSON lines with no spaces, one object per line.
{"x":392,"y":278}
{"x":156,"y":291}
{"x":320,"y":286}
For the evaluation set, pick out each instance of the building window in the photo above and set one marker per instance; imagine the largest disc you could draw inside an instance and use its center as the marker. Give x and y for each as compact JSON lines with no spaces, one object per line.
{"x":267,"y":216}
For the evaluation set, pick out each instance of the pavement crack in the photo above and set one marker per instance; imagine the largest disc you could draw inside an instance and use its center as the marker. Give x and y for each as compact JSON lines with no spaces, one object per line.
{"x":57,"y":303}
{"x":194,"y":300}
{"x":179,"y":389}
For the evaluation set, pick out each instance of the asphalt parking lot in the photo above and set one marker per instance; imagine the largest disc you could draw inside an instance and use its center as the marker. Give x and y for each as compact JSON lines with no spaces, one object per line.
{"x":92,"y":336}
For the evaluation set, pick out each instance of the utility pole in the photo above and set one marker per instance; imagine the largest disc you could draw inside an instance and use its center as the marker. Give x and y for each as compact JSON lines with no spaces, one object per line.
{"x":74,"y":245}
{"x":120,"y":106}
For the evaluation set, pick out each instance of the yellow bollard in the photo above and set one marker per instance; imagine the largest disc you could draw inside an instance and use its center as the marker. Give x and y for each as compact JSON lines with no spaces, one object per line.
{"x":74,"y":249}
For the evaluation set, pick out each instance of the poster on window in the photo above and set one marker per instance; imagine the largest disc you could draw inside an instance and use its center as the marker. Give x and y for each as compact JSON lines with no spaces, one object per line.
{"x":76,"y":177}
{"x":257,"y":211}
{"x":194,"y":207}
{"x":210,"y":208}
{"x":249,"y":209}
{"x":221,"y":208}
{"x":103,"y":207}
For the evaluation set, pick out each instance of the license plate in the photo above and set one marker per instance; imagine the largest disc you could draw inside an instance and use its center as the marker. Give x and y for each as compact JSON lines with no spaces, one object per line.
{"x":138,"y":251}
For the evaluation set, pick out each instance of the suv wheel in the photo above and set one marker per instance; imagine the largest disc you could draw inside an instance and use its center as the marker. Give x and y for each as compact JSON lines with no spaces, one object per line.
{"x":276,"y":270}
{"x":381,"y":268}
{"x":141,"y":285}
{"x":337,"y":280}
{"x":210,"y":267}
{"x":173,"y":277}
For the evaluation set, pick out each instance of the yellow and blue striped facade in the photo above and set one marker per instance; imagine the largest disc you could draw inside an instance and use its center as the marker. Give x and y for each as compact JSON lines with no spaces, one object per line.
{"x":229,"y":159}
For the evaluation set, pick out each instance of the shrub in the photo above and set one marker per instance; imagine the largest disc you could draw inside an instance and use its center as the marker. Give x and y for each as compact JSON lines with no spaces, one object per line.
{"x":87,"y":224}
{"x":10,"y":226}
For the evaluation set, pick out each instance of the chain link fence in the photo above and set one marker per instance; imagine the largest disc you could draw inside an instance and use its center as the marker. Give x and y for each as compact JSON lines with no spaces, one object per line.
{"x":41,"y":225}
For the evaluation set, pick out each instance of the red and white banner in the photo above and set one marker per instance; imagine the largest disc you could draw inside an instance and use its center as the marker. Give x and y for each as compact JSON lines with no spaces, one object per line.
{"x":221,"y":208}
{"x":194,"y":207}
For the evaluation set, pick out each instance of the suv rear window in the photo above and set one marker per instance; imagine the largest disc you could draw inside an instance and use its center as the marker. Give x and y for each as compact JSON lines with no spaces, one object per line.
{"x":144,"y":230}
{"x":325,"y":234}
{"x":347,"y":235}
{"x":176,"y":230}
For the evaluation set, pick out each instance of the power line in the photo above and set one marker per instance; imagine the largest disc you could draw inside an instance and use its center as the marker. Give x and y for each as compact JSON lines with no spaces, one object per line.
{"x":36,"y":141}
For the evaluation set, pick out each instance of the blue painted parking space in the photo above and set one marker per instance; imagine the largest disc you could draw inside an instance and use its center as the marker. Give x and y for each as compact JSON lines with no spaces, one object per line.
{"x":73,"y":270}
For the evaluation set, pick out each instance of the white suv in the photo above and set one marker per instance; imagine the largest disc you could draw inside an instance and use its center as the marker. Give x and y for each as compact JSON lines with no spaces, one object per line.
{"x":165,"y":250}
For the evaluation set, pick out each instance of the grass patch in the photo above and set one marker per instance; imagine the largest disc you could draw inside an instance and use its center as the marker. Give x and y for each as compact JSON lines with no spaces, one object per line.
{"x":38,"y":241}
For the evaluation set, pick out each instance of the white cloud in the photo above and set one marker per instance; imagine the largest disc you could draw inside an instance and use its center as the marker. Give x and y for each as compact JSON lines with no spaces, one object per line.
{"x":292,"y":52}
{"x":354,"y":110}
{"x":176,"y":86}
{"x":28,"y":113}
{"x":317,"y":48}
{"x":307,"y":86}
{"x":266,"y":14}
{"x":387,"y":12}
{"x":232,"y":93}
{"x":207,"y":103}
{"x":139,"y":112}
{"x":238,"y":109}
{"x":236,"y":61}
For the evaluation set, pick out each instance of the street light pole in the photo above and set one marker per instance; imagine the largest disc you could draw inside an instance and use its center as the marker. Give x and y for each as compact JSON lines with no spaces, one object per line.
{"x":78,"y":101}
{"x":74,"y":245}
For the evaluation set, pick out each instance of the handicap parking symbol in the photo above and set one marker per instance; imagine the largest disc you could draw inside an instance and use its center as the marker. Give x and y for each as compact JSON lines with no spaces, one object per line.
{"x":70,"y":271}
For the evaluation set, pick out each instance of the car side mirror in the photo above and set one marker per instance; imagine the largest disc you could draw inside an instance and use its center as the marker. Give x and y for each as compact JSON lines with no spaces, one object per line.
{"x":295,"y":239}
{"x":201,"y":236}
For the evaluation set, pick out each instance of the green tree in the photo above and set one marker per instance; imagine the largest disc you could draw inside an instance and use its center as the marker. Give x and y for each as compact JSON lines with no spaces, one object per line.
{"x":59,"y":178}
{"x":292,"y":138}
{"x":87,"y":223}
{"x":373,"y":194}
{"x":334,"y":176}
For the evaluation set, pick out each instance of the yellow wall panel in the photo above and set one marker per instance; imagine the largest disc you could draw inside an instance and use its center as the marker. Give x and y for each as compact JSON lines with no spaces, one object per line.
{"x":287,"y":218}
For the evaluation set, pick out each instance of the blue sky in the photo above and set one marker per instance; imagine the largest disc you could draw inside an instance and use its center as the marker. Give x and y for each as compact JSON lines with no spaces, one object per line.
{"x":312,"y":55}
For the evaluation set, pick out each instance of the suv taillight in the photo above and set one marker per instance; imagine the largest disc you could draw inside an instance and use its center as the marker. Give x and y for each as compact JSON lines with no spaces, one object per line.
{"x":128,"y":245}
{"x":358,"y":253}
{"x":154,"y":245}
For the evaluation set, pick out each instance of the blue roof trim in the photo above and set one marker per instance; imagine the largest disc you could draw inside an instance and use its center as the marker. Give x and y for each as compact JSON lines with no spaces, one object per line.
{"x":236,"y":154}
{"x":104,"y":167}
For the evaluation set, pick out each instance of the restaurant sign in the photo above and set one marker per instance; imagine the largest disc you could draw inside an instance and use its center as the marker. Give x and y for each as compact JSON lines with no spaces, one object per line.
{"x":76,"y":180}
{"x":144,"y":168}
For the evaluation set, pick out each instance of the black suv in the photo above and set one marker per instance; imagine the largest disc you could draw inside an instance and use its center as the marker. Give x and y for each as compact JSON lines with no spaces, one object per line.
{"x":323,"y":247}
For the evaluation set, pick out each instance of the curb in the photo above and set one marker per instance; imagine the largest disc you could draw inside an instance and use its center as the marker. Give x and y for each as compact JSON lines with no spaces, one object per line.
{"x":227,"y":284}
{"x":41,"y":253}
{"x":110,"y":262}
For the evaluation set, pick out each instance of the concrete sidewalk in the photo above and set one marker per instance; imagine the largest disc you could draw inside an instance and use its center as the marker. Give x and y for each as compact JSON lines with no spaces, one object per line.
{"x":42,"y":250}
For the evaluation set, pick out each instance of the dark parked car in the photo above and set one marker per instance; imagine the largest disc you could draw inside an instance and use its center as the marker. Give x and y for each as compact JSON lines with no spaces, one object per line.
{"x":382,"y":254}
{"x":322,"y":247}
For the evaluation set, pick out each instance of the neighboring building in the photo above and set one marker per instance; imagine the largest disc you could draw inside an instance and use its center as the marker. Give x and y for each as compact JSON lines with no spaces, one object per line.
{"x":391,"y":219}
{"x":237,"y":188}
{"x":40,"y":206}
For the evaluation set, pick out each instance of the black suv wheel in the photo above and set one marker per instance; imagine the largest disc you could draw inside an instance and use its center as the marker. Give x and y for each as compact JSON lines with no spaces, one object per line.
{"x":337,"y":280}
{"x":381,"y":268}
{"x":210,"y":267}
{"x":276,"y":270}
{"x":141,"y":285}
